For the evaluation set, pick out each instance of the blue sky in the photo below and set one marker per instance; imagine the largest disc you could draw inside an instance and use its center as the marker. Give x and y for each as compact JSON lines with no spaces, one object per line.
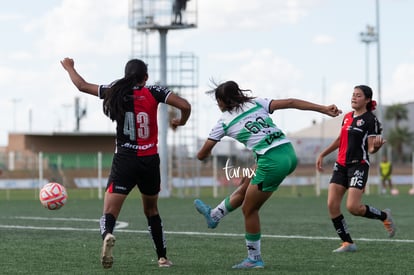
{"x":277,"y":48}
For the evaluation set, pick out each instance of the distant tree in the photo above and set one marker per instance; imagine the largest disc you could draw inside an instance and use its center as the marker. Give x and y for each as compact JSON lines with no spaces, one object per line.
{"x":398,"y":136}
{"x":396,"y":112}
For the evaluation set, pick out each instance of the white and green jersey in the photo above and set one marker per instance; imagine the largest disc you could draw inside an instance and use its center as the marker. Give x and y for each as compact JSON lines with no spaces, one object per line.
{"x":251,"y":126}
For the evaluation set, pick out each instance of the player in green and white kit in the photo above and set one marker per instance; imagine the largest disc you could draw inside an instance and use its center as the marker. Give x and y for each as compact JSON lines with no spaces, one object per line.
{"x":247,"y":120}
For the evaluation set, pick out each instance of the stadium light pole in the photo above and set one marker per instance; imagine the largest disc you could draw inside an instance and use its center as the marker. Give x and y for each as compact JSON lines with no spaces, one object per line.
{"x":373,"y":35}
{"x":379,"y":111}
{"x":378,"y":60}
{"x":367,"y":38}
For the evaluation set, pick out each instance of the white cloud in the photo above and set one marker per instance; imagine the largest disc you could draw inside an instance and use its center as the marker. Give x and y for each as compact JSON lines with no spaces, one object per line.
{"x":323,"y":39}
{"x":10,"y":17}
{"x":402,"y":86}
{"x":73,"y":27}
{"x":248,"y":15}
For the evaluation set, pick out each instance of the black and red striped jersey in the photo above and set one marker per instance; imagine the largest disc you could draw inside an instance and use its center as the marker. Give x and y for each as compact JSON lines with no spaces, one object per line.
{"x":353,"y":144}
{"x":137,"y":132}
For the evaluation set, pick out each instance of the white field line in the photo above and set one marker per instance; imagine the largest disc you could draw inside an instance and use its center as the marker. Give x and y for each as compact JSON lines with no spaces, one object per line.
{"x":186,"y":233}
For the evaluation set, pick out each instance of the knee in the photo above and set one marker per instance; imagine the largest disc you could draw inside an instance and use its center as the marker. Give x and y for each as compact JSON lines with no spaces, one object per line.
{"x":333,"y":206}
{"x":149,"y":212}
{"x":355,"y":210}
{"x":247,"y":211}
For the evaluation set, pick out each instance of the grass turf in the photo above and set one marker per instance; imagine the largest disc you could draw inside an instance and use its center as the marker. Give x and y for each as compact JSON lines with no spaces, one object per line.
{"x":298,"y":237}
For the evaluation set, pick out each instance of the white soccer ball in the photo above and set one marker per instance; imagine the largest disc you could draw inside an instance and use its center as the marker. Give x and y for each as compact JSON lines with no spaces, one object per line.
{"x":395,"y":192}
{"x":53,"y":195}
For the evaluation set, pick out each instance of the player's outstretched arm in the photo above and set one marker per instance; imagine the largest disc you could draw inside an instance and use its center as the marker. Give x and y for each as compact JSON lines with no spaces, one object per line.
{"x":80,"y":83}
{"x":293,"y":103}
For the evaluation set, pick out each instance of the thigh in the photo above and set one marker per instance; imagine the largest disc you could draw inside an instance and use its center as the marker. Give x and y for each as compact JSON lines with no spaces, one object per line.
{"x":354,"y":198}
{"x":335,"y":194}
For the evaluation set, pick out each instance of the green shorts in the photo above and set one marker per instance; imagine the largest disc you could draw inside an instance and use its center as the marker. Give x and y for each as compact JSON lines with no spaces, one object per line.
{"x":274,"y":166}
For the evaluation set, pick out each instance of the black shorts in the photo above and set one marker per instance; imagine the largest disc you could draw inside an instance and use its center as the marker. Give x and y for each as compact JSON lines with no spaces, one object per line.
{"x":352,"y":176}
{"x":130,"y":171}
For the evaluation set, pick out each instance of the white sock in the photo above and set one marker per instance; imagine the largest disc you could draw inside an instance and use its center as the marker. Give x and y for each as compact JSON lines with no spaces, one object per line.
{"x":219,"y":211}
{"x":253,"y":250}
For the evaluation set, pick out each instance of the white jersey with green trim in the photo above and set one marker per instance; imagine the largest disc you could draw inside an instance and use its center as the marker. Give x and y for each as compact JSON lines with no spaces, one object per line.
{"x":251,"y":125}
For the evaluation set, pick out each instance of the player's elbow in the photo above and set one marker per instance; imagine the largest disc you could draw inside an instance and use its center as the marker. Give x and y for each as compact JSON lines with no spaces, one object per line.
{"x":200,"y":156}
{"x":186,"y":106}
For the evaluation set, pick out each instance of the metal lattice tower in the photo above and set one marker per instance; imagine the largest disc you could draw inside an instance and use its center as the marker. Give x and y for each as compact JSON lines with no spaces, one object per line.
{"x":178,"y":72}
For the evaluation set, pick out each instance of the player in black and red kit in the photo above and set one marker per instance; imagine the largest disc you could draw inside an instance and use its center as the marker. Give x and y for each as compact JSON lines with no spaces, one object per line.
{"x":360,"y":136}
{"x":136,"y":162}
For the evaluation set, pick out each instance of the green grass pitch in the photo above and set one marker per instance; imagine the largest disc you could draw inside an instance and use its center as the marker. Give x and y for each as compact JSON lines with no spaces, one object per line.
{"x":298,"y":237}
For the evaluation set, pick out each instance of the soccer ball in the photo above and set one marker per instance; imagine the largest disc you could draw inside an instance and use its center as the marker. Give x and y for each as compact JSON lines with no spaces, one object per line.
{"x":53,"y":195}
{"x":395,"y":192}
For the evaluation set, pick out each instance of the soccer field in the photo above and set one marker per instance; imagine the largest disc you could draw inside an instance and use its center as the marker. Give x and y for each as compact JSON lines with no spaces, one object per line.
{"x":298,"y":238}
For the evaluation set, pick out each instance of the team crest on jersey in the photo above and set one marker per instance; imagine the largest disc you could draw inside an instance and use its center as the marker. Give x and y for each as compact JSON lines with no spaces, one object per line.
{"x":360,"y":122}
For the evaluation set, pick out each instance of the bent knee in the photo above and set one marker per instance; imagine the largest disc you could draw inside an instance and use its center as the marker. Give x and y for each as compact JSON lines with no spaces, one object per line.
{"x":356,"y":210}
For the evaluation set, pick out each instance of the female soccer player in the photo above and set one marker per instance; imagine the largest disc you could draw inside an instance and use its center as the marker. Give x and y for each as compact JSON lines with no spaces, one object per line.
{"x":136,"y":162}
{"x":247,"y":120}
{"x":360,"y":135}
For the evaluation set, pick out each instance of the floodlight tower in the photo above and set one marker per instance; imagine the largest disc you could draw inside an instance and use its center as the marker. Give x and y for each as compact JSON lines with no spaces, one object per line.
{"x":368,"y":37}
{"x":150,"y":16}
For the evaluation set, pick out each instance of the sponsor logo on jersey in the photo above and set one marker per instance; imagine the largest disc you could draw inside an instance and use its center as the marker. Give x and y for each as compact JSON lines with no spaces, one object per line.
{"x":137,"y":147}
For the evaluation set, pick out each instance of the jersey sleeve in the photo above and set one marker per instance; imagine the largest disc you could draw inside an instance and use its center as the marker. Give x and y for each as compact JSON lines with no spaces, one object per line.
{"x":265,"y":103}
{"x":104,"y":88}
{"x":374,"y":127}
{"x":217,"y":133}
{"x":159,"y":93}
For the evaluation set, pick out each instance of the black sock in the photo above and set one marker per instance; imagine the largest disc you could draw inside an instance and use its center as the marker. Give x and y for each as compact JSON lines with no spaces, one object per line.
{"x":342,"y":229}
{"x":107,"y":224}
{"x":156,"y":231}
{"x":374,"y":213}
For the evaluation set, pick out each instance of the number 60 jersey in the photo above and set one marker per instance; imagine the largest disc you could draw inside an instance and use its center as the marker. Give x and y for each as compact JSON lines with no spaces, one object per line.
{"x":251,"y":125}
{"x":137,"y":132}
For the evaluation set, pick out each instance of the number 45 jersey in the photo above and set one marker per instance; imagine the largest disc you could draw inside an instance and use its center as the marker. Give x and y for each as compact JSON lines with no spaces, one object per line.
{"x":251,"y":125}
{"x":137,"y":132}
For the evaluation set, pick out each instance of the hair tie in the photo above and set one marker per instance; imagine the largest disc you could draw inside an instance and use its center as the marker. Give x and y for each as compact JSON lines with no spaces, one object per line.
{"x":373,"y":105}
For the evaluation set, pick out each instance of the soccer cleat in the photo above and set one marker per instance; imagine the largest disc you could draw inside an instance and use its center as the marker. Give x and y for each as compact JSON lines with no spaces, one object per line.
{"x":346,"y":247}
{"x":389,"y":223}
{"x":205,"y":210}
{"x":108,"y":243}
{"x":249,"y":263}
{"x":163,"y":262}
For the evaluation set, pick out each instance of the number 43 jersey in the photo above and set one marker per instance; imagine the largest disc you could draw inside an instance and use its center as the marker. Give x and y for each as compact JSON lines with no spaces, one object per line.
{"x":137,"y":132}
{"x":251,"y":125}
